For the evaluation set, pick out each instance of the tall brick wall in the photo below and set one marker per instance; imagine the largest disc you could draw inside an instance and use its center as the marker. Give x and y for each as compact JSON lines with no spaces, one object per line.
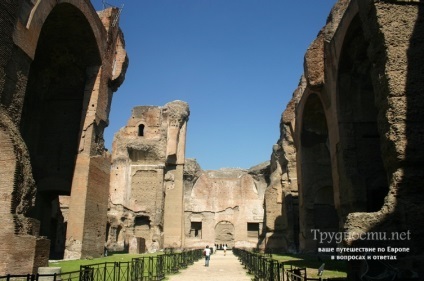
{"x":96,"y":207}
{"x":21,"y":248}
{"x":7,"y":172}
{"x":20,"y":25}
{"x":18,"y":234}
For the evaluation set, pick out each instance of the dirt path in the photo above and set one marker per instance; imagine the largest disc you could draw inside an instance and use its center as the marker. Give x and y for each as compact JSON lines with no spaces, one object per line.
{"x":220,"y":268}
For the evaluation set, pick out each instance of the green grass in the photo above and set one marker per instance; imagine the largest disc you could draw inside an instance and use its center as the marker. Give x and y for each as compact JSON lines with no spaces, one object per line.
{"x":74,"y":265}
{"x":332,"y":268}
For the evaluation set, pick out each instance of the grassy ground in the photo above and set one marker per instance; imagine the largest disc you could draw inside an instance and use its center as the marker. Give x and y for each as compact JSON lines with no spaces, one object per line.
{"x":74,"y":265}
{"x":332,"y":268}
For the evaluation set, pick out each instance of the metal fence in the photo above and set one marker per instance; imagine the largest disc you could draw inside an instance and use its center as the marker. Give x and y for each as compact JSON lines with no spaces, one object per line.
{"x":68,"y":276}
{"x":143,"y":268}
{"x":264,"y":268}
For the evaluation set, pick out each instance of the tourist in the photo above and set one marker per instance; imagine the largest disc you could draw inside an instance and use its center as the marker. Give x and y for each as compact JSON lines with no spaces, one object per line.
{"x":207,"y":254}
{"x":225,"y":249}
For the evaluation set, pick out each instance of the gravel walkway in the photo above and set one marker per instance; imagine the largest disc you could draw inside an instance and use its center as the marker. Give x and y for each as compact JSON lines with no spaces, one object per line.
{"x":220,"y":268}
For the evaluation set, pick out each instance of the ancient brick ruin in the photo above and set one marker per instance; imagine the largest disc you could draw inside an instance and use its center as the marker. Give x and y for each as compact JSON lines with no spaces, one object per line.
{"x":355,"y":121}
{"x":349,"y":157}
{"x":146,"y":185}
{"x":224,"y":206}
{"x":60,"y":62}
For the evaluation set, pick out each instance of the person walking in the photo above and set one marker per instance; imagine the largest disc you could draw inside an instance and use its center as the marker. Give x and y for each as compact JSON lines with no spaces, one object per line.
{"x":225,"y":249}
{"x":207,"y":254}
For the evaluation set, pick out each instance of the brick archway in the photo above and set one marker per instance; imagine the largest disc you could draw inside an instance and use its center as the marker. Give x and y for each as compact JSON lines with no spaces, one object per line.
{"x":365,"y":181}
{"x":316,"y":175}
{"x":54,"y":103}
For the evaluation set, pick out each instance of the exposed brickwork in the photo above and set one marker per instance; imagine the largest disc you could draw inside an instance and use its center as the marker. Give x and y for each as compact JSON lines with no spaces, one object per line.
{"x":146,"y":188}
{"x":96,"y":207}
{"x":40,"y":135}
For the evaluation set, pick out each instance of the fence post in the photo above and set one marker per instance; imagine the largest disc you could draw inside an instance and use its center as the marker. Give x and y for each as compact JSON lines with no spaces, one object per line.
{"x":271,"y":270}
{"x":116,"y":276}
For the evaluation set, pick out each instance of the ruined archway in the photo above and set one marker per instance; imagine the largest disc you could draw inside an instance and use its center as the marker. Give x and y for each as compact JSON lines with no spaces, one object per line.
{"x":363,"y":180}
{"x":66,"y":55}
{"x":317,"y":211}
{"x":224,"y":233}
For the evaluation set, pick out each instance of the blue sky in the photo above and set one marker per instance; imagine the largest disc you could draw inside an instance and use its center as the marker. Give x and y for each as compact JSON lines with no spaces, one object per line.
{"x":235,"y":62}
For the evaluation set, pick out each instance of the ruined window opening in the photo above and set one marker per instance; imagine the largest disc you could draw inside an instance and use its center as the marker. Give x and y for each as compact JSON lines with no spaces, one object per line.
{"x":141,"y":130}
{"x":252,"y":229}
{"x":142,"y":221}
{"x":196,"y":229}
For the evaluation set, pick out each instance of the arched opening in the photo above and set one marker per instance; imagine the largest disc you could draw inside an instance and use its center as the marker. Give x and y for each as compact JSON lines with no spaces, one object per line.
{"x":364,"y":177}
{"x":141,"y":233}
{"x":317,"y":209}
{"x":224,"y":234}
{"x":66,"y":54}
{"x":141,"y":130}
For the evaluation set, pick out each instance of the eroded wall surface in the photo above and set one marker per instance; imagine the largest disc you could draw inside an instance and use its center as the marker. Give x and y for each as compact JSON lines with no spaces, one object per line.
{"x":147,"y":161}
{"x":359,"y":125}
{"x":224,"y":206}
{"x":281,"y":196}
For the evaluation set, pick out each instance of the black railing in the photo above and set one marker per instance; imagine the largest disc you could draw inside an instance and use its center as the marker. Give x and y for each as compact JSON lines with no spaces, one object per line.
{"x":265,"y":268}
{"x":107,"y":271}
{"x":67,"y":276}
{"x":148,"y":268}
{"x":262,"y":266}
{"x":143,"y":268}
{"x":297,"y":274}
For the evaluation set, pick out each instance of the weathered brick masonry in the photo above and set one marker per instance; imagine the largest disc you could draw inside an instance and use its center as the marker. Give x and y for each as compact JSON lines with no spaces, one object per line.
{"x":60,"y":62}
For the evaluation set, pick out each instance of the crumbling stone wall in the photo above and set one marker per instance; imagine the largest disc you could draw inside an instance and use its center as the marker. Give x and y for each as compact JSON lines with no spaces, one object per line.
{"x":395,"y":51}
{"x":50,"y":50}
{"x":145,"y":159}
{"x":360,"y":109}
{"x":224,"y":206}
{"x":281,"y":196}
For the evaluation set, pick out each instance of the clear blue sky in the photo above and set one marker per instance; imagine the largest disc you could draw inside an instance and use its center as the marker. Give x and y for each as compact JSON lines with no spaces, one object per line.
{"x":235,"y":62}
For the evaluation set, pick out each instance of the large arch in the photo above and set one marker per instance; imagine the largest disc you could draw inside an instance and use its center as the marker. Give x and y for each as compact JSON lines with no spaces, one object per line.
{"x":60,"y":63}
{"x":316,"y":211}
{"x":34,"y":14}
{"x":363,"y":180}
{"x":53,"y":109}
